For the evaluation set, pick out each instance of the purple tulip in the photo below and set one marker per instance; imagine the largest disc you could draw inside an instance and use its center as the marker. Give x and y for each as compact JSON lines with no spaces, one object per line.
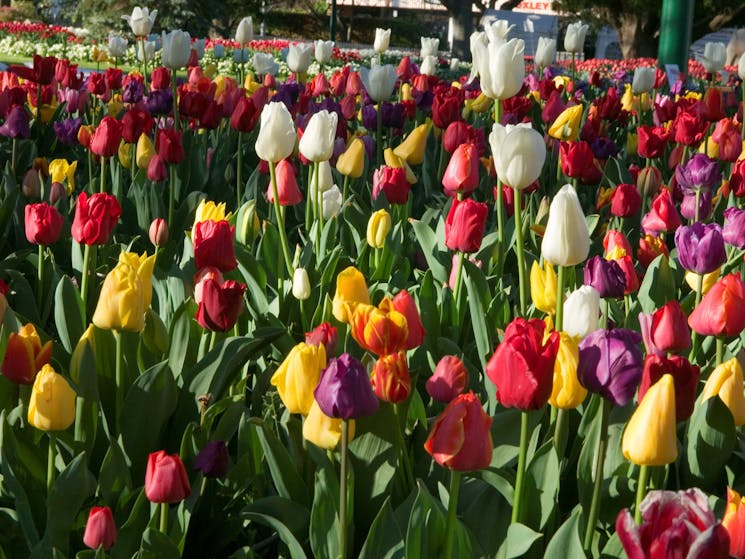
{"x":606,"y":276}
{"x":212,"y":460}
{"x":610,"y":364}
{"x":688,"y":205}
{"x":733,"y":232}
{"x":67,"y":130}
{"x":133,"y":92}
{"x":369,"y":117}
{"x":288,"y":94}
{"x":344,"y":390}
{"x":699,"y":173}
{"x":73,"y":99}
{"x":16,"y":124}
{"x":369,"y":142}
{"x":700,"y":247}
{"x":392,"y":115}
{"x":603,"y":148}
{"x":423,"y":100}
{"x":159,"y":102}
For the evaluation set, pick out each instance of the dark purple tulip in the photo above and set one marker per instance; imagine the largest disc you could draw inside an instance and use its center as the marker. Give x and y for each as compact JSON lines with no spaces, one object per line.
{"x":212,"y":460}
{"x":733,"y":232}
{"x":610,"y":364}
{"x":700,"y":247}
{"x":288,"y":94}
{"x":688,"y":205}
{"x":133,"y":92}
{"x":369,"y":142}
{"x":344,"y":391}
{"x":67,"y":130}
{"x":392,"y":115}
{"x":159,"y":102}
{"x":603,"y":148}
{"x":424,"y":100}
{"x":16,"y":124}
{"x":605,"y":276}
{"x":699,"y":173}
{"x":370,"y":117}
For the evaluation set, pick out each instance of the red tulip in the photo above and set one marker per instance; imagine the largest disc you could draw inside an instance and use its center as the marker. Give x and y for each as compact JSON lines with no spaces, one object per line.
{"x":689,"y":129}
{"x":446,"y":107}
{"x":652,"y":141}
{"x":169,"y":146}
{"x":96,"y":85}
{"x":160,"y":78}
{"x":663,"y":216}
{"x":626,"y":201}
{"x":245,"y":115}
{"x":650,"y":247}
{"x":405,"y":304}
{"x":213,"y":245}
{"x":727,"y":137}
{"x":165,"y":478}
{"x":722,"y":310}
{"x":136,"y":122}
{"x":615,"y":239}
{"x":288,"y":191}
{"x":156,"y":169}
{"x":106,"y":138}
{"x":221,"y":304}
{"x":381,"y":330}
{"x":392,"y":182}
{"x":390,"y":378}
{"x":324,"y":334}
{"x":578,"y":161}
{"x":95,"y":218}
{"x":42,"y":72}
{"x":449,"y":379}
{"x":464,"y":226}
{"x":685,"y":378}
{"x":462,"y":173}
{"x":666,"y":329}
{"x":100,"y":530}
{"x":113,"y":78}
{"x":43,"y":224}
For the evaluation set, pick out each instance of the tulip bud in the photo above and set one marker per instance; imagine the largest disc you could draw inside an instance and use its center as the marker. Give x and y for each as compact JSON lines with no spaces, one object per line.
{"x":52,"y":403}
{"x":24,"y":354}
{"x":165,"y":478}
{"x":324,"y":431}
{"x":567,"y":392}
{"x":378,"y":227}
{"x":412,"y":148}
{"x":449,"y":379}
{"x":176,"y":49}
{"x":297,"y":376}
{"x":351,"y":163}
{"x":247,"y":223}
{"x":100,"y":530}
{"x":144,"y":152}
{"x":390,"y":378}
{"x":244,"y":33}
{"x":344,"y":390}
{"x":57,"y":192}
{"x":158,"y":232}
{"x":351,"y":290}
{"x":300,"y":284}
{"x":317,"y":143}
{"x":726,"y":381}
{"x":582,"y":311}
{"x":543,"y":286}
{"x":566,"y":241}
{"x":31,"y":185}
{"x":299,"y":57}
{"x":643,"y":80}
{"x":574,"y":40}
{"x":212,"y":460}
{"x":382,"y":40}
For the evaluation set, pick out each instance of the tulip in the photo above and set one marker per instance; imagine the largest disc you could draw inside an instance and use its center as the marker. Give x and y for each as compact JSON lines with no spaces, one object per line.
{"x":169,"y":146}
{"x":144,"y":152}
{"x":462,"y":173}
{"x":698,"y":173}
{"x":344,"y":390}
{"x":700,"y":247}
{"x":95,"y":218}
{"x":545,"y":52}
{"x":566,"y":241}
{"x":24,"y":354}
{"x":430,"y":46}
{"x":413,"y":147}
{"x":663,"y":216}
{"x":221,"y":304}
{"x":606,"y":277}
{"x":733,"y":231}
{"x":43,"y":224}
{"x":176,"y":49}
{"x":610,"y":364}
{"x":404,"y":303}
{"x":665,"y":330}
{"x":461,"y":439}
{"x":351,"y":290}
{"x":324,"y":431}
{"x":726,"y":381}
{"x":16,"y":123}
{"x":519,"y":152}
{"x":122,"y":302}
{"x":378,"y":227}
{"x":707,"y":280}
{"x":300,"y":284}
{"x":323,"y":334}
{"x":543,"y":286}
{"x":714,"y":57}
{"x":156,"y":169}
{"x":299,"y":57}
{"x":106,"y":138}
{"x":324,"y":50}
{"x":390,"y":378}
{"x":734,"y":522}
{"x":117,"y":46}
{"x":379,"y":81}
{"x":141,"y":21}
{"x":685,"y":377}
{"x":288,"y":191}
{"x":500,"y":67}
{"x":566,"y":126}
{"x":332,"y":202}
{"x":566,"y":391}
{"x":244,"y":33}
{"x":212,"y":460}
{"x":464,"y":226}
{"x":165,"y":478}
{"x":158,"y":232}
{"x":351,"y":163}
{"x":100,"y":529}
{"x":317,"y":143}
{"x":648,"y":181}
{"x":213,"y":245}
{"x":207,"y":210}
{"x":297,"y":376}
{"x":61,"y":171}
{"x":382,"y":330}
{"x":626,"y":201}
{"x":201,"y":278}
{"x":276,"y":139}
{"x":652,"y":141}
{"x":448,"y":380}
{"x":52,"y":403}
{"x":428,"y":66}
{"x":382,"y":39}
{"x":574,"y":39}
{"x":643,"y":80}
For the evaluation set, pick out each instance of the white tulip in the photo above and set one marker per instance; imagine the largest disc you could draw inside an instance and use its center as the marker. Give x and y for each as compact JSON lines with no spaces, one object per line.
{"x":300,"y":284}
{"x":198,"y":46}
{"x":176,"y":49}
{"x":265,"y":64}
{"x":325,"y":179}
{"x":430,"y":47}
{"x":244,"y":33}
{"x":498,"y":30}
{"x":277,"y":137}
{"x":317,"y":143}
{"x":741,"y":67}
{"x":519,"y":153}
{"x":379,"y":81}
{"x":643,"y":80}
{"x":149,"y":51}
{"x":324,"y":51}
{"x":500,"y":67}
{"x":582,"y":311}
{"x":117,"y":46}
{"x":545,"y":52}
{"x":382,"y":40}
{"x":714,"y":58}
{"x":332,"y":201}
{"x":299,"y":57}
{"x":141,"y":21}
{"x":574,"y":40}
{"x":429,"y":66}
{"x":566,"y":241}
{"x":218,"y":50}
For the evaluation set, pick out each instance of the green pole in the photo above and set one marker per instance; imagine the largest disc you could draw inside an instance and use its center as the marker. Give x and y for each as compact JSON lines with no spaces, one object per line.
{"x":675,"y":33}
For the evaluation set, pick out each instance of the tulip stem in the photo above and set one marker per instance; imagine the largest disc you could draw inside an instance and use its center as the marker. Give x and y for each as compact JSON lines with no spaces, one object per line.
{"x":239,"y":172}
{"x":40,"y":276}
{"x":164,"y":518}
{"x":171,"y":197}
{"x":51,"y":456}
{"x":599,"y":464}
{"x":456,"y":287}
{"x":720,"y":350}
{"x":343,"y":490}
{"x":13,"y":158}
{"x":90,"y":171}
{"x":319,"y":208}
{"x":118,"y":378}
{"x":441,"y":162}
{"x":641,"y":491}
{"x":102,"y":187}
{"x":379,"y":136}
{"x":280,"y":220}
{"x":174,"y":89}
{"x":694,"y":334}
{"x":84,"y":276}
{"x":742,"y":129}
{"x":560,"y":432}
{"x":408,"y":472}
{"x":345,"y":189}
{"x":520,"y":250}
{"x":521,"y":459}
{"x":455,"y":477}
{"x":559,"y":322}
{"x":500,"y":195}
{"x":144,"y":63}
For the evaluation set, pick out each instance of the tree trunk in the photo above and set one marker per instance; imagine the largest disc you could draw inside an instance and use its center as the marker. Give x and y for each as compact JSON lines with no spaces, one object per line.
{"x":635,"y":35}
{"x":462,"y":13}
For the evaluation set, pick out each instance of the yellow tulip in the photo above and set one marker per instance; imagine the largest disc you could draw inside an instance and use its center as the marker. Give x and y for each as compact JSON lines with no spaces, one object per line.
{"x":406,"y":92}
{"x":250,"y":84}
{"x":566,"y":125}
{"x":52,"y":403}
{"x":632,"y":143}
{"x":562,"y":81}
{"x":144,"y":152}
{"x":567,"y":393}
{"x":62,"y":171}
{"x":378,"y":227}
{"x":324,"y":431}
{"x":627,"y":99}
{"x":144,"y":265}
{"x":351,"y":163}
{"x":298,"y":375}
{"x":125,"y":154}
{"x":412,"y":148}
{"x":543,"y":286}
{"x":351,"y":290}
{"x":726,"y":382}
{"x":481,"y":104}
{"x":709,"y":280}
{"x":99,"y":55}
{"x":47,"y":111}
{"x":649,"y":438}
{"x":710,"y":148}
{"x":121,"y":304}
{"x":115,"y":106}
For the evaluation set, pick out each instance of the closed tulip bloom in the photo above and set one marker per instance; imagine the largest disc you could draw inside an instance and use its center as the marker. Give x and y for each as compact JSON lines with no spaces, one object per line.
{"x":317,"y":143}
{"x":462,"y":173}
{"x":428,"y":66}
{"x":63,"y":172}
{"x":626,"y":200}
{"x":378,"y":227}
{"x":52,"y":403}
{"x":106,"y":138}
{"x":734,"y":522}
{"x":156,"y":169}
{"x":117,"y":46}
{"x":448,"y":380}
{"x":351,"y":290}
{"x":297,"y":376}
{"x":95,"y":218}
{"x":244,"y":116}
{"x":574,"y":39}
{"x":500,"y":67}
{"x":323,"y":51}
{"x":324,"y":431}
{"x":244,"y":33}
{"x":43,"y":224}
{"x":16,"y":123}
{"x":413,"y":147}
{"x":685,"y":377}
{"x":221,"y":304}
{"x":543,"y":286}
{"x":382,"y":40}
{"x":379,"y":81}
{"x":381,"y":330}
{"x":390,"y":378}
{"x":566,"y":126}
{"x":714,"y":58}
{"x":141,"y":21}
{"x":288,"y":191}
{"x":300,"y":284}
{"x":323,"y":334}
{"x":663,"y":216}
{"x":404,"y":303}
{"x":726,"y":381}
{"x":169,"y":145}
{"x":567,"y":392}
{"x":643,"y":80}
{"x":143,"y":265}
{"x":344,"y":390}
{"x":121,"y":303}
{"x":519,"y":152}
{"x":351,"y":163}
{"x":610,"y":364}
{"x":25,"y":355}
{"x":606,"y":277}
{"x":461,"y":439}
{"x":582,"y":311}
{"x":464,"y":226}
{"x":158,"y":232}
{"x":100,"y":529}
{"x":299,"y":57}
{"x":733,"y":231}
{"x":165,"y":478}
{"x":264,"y":63}
{"x":176,"y":49}
{"x":665,"y":330}
{"x":649,"y":438}
{"x":144,"y":152}
{"x":700,"y":247}
{"x":201,"y":277}
{"x":276,"y":139}
{"x":566,"y":241}
{"x":213,"y":245}
{"x":522,"y":366}
{"x":699,"y":173}
{"x":430,"y":46}
{"x":212,"y":460}
{"x":332,"y":202}
{"x":545,"y":52}
{"x":709,"y":280}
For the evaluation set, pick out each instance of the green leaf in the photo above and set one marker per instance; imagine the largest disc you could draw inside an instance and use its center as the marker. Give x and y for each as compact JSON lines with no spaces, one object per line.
{"x":69,"y":315}
{"x":425,"y":535}
{"x":114,"y":476}
{"x":384,"y":540}
{"x":566,"y":541}
{"x":542,"y":486}
{"x":428,"y":241}
{"x":286,"y":478}
{"x":710,"y":441}
{"x":157,"y":545}
{"x":479,"y":298}
{"x":324,"y":516}
{"x":288,"y":518}
{"x":658,"y":286}
{"x":519,"y":540}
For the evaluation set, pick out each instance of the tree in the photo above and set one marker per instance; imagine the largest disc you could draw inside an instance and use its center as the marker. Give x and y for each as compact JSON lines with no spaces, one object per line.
{"x":462,"y":13}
